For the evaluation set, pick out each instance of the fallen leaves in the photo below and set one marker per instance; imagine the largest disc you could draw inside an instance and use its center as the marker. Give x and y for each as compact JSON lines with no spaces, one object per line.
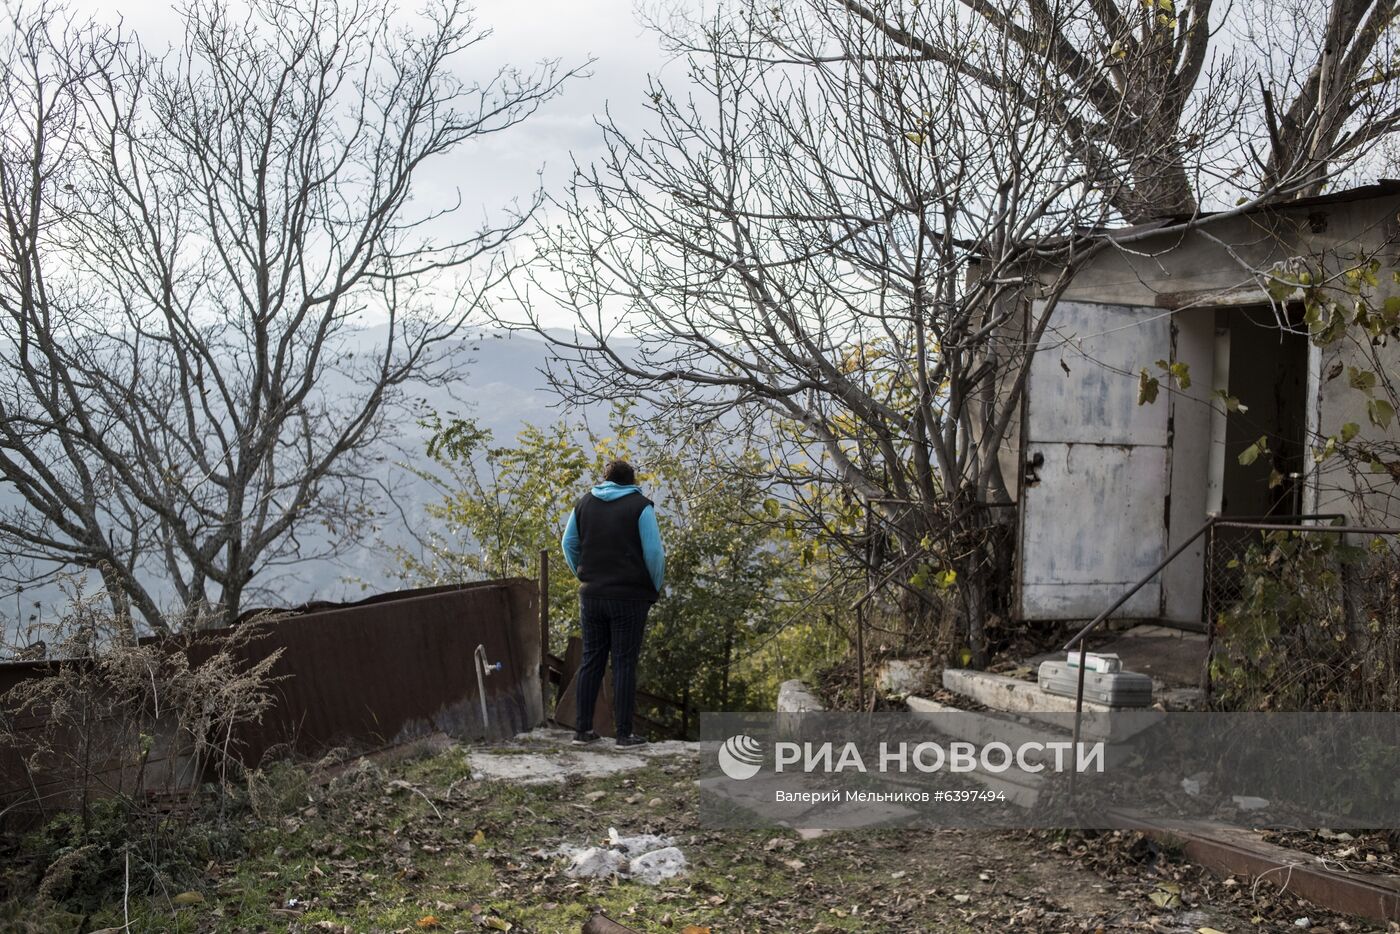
{"x":1166,"y":895}
{"x":380,"y":845}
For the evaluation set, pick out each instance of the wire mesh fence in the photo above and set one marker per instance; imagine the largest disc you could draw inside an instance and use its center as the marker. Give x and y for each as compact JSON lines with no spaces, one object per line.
{"x":1303,"y":613}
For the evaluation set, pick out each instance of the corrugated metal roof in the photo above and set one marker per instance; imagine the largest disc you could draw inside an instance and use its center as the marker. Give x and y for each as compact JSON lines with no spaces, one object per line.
{"x":1383,"y":188}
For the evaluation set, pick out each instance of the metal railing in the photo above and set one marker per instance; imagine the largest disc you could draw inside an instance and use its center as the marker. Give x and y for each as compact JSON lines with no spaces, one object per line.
{"x":1212,"y":523}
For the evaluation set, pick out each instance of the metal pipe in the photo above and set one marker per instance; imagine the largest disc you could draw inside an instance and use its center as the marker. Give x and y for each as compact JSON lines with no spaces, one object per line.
{"x":1261,"y":523}
{"x":1343,"y":529}
{"x":1078,"y":710}
{"x":1248,"y":523}
{"x":484,"y":668}
{"x":1264,"y":520}
{"x":1143,"y":582}
{"x":1079,"y":638}
{"x":545,"y":699}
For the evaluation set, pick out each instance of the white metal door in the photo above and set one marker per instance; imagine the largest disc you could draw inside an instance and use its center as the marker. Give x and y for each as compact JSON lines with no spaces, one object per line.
{"x":1094,"y":497}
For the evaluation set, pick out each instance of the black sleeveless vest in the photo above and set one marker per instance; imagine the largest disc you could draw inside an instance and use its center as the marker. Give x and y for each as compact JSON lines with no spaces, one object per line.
{"x":611,"y":564}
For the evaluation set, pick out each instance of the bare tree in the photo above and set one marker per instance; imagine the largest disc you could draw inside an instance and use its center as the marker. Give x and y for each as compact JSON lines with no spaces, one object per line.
{"x":836,"y":227}
{"x":1130,"y":78}
{"x":215,"y":280}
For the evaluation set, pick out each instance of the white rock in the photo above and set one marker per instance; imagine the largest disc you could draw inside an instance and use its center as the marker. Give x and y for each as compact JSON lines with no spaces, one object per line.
{"x":654,"y":867}
{"x":596,"y":862}
{"x":645,"y":857}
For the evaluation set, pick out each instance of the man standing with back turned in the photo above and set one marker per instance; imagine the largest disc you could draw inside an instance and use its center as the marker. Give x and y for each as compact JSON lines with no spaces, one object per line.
{"x":613,"y":545}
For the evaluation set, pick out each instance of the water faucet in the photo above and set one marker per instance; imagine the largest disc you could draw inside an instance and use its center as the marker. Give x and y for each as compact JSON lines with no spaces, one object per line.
{"x":484,"y":668}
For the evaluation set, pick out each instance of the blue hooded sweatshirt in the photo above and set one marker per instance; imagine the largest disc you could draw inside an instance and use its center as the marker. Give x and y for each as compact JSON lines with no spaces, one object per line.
{"x":652,"y":552}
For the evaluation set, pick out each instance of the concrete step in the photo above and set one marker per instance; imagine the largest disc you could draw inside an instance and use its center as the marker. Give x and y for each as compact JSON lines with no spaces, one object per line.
{"x":983,"y":728}
{"x":1021,"y":789}
{"x":1012,"y":729}
{"x":1026,"y":699}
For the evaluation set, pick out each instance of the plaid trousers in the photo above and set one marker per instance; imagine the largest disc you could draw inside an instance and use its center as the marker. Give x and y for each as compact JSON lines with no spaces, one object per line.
{"x":610,"y":626}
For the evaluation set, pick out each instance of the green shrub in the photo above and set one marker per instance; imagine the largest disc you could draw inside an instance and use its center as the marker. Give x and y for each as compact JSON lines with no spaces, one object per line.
{"x":1314,"y":626}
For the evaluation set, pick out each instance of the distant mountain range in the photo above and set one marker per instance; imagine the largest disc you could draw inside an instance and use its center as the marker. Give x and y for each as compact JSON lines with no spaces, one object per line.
{"x":502,"y":387}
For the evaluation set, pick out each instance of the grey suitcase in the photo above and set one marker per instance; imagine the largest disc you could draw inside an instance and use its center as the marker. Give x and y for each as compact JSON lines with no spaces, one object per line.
{"x":1116,"y":689}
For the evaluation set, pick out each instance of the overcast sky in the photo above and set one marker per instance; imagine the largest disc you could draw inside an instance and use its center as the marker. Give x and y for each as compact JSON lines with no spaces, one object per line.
{"x":491,"y":171}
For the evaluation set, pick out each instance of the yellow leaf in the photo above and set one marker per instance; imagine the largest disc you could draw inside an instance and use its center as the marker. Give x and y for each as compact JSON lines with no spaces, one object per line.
{"x":694,"y":929}
{"x":498,"y":924}
{"x":479,"y":838}
{"x":1209,"y":931}
{"x":188,"y":898}
{"x":916,"y":138}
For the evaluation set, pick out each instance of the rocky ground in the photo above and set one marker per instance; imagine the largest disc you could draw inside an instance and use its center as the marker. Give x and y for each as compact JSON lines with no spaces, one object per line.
{"x":466,"y":839}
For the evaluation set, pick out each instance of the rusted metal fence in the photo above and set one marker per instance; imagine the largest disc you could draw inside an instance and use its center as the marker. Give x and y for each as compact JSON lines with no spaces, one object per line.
{"x":398,"y":666}
{"x":357,"y":676}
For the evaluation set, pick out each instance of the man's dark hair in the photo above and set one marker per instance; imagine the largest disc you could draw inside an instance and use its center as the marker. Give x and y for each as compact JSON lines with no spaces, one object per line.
{"x":620,"y":472}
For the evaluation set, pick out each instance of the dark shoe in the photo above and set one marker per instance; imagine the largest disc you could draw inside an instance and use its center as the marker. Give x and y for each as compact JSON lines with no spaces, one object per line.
{"x":584,"y":737}
{"x":631,"y":739}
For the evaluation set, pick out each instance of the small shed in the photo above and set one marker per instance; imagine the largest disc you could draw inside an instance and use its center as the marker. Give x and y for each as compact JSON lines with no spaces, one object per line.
{"x":1108,"y":485}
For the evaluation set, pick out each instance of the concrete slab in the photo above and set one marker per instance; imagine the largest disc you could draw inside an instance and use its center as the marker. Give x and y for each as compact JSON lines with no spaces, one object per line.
{"x":795,"y":697}
{"x":547,"y":755}
{"x":1013,"y":695}
{"x":1171,"y":657}
{"x":562,"y":739}
{"x":539,"y":768}
{"x":1021,"y":790}
{"x":983,"y":728}
{"x":1025,"y":698}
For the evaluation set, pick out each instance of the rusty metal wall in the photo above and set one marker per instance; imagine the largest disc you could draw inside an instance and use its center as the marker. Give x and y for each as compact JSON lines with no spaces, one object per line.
{"x":364,"y":675}
{"x":398,"y":666}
